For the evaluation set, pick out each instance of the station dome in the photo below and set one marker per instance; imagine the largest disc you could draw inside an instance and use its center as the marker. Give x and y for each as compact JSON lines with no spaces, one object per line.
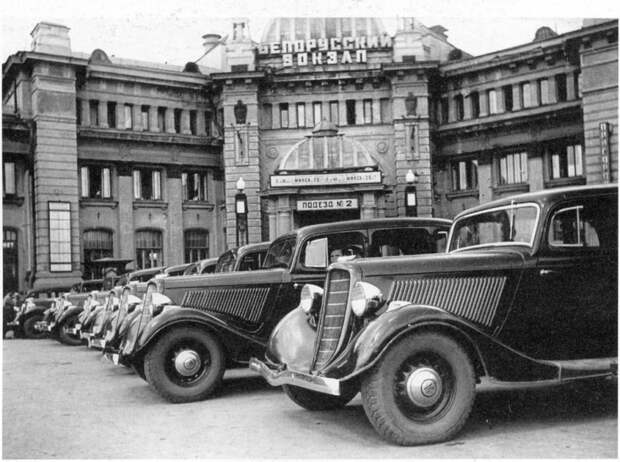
{"x":285,"y":29}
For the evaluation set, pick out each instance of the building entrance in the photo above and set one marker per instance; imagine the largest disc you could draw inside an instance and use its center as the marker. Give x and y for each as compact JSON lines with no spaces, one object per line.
{"x":325,"y":216}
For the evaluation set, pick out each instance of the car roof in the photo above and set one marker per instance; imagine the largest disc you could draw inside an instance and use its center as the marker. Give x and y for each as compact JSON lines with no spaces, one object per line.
{"x":257,"y":247}
{"x":142,"y":272}
{"x":544,"y":196}
{"x":366,"y":223}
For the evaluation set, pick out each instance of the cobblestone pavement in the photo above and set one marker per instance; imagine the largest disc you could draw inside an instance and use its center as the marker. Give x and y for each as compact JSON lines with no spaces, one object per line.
{"x":67,"y":402}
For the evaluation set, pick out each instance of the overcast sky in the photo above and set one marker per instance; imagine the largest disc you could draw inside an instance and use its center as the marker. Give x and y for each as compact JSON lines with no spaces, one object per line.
{"x":170,"y":31}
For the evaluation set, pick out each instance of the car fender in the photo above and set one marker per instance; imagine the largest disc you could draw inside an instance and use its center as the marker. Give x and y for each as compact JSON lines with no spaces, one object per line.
{"x":292,"y":342}
{"x":36,"y":309}
{"x":491,"y":358}
{"x":73,"y":310}
{"x":173,"y":316}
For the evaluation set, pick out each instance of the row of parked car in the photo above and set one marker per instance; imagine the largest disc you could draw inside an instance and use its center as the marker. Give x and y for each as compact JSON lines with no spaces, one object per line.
{"x":411,"y":312}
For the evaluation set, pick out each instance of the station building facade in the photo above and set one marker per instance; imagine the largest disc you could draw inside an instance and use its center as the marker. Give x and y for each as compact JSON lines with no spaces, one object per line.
{"x":322,"y":119}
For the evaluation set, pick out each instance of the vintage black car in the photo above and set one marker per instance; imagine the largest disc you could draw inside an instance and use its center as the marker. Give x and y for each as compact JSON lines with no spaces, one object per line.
{"x":527,"y":292}
{"x":224,"y":319}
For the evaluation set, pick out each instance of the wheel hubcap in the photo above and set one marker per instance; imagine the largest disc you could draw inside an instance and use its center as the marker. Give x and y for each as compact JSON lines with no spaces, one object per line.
{"x":187,"y":363}
{"x":424,"y":387}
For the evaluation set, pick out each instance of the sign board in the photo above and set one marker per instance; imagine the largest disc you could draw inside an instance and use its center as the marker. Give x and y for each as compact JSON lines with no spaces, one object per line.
{"x":325,"y":179}
{"x":320,"y":51}
{"x":604,"y":143}
{"x":328,"y":204}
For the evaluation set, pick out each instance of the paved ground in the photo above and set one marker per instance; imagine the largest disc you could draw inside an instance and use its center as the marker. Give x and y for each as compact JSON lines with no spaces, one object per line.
{"x":66,"y":402}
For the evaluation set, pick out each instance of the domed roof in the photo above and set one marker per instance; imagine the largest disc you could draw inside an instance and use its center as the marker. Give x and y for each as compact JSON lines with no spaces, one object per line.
{"x":284,"y":29}
{"x":544,"y":33}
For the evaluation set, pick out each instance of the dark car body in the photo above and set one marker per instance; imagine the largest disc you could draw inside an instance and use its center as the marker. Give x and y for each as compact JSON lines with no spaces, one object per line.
{"x":239,"y":310}
{"x":527,"y":292}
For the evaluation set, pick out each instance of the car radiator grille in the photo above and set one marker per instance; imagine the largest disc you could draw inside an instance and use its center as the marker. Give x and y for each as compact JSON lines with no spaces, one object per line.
{"x":332,"y":317}
{"x":246,"y":303}
{"x":472,"y":298}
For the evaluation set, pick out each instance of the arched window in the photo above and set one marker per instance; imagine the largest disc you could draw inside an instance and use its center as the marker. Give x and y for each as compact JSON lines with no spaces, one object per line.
{"x":9,"y":260}
{"x":149,"y":248}
{"x":196,"y":245}
{"x":96,"y":243}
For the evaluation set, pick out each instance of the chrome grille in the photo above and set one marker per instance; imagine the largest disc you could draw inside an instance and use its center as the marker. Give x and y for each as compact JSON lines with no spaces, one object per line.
{"x":332,"y":317}
{"x":472,"y":298}
{"x":246,"y":303}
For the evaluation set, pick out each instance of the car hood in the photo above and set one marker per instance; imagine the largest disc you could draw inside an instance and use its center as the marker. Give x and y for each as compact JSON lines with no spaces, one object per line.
{"x":478,"y":260}
{"x":238,"y":278}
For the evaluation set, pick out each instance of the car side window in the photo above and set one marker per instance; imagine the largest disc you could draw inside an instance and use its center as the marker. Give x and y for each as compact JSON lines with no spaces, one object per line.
{"x":403,"y":241}
{"x":319,"y":252}
{"x":590,"y":224}
{"x":250,"y":262}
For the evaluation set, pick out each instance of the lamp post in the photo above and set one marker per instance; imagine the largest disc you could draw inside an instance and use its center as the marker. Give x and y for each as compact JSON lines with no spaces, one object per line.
{"x":241,"y":212}
{"x":411,"y":200}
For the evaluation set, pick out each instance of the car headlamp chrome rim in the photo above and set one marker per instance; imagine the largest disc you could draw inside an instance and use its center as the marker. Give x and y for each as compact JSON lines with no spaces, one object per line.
{"x":310,"y":298}
{"x":365,"y":299}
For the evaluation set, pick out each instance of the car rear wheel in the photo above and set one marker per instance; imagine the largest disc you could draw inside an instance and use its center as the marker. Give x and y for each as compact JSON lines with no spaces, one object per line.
{"x":63,"y":332}
{"x":421,"y":392}
{"x":30,"y":331}
{"x":185,"y":364}
{"x":316,"y":401}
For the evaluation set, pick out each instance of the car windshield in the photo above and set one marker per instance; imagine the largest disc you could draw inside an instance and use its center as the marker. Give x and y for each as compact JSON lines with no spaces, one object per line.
{"x":280,"y":253}
{"x":226,"y":262}
{"x":513,"y":224}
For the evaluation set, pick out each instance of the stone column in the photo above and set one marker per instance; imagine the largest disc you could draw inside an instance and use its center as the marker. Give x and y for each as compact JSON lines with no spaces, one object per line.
{"x":467,"y":110}
{"x":284,"y":215}
{"x":153,"y":122}
{"x":275,"y":119}
{"x":85,"y":107}
{"x":273,"y":222}
{"x":185,"y":128}
{"x":368,"y":207}
{"x":501,"y":104}
{"x":174,"y":197}
{"x":451,"y":108}
{"x":102,"y":109}
{"x":551,"y":90}
{"x":309,"y":115}
{"x":376,"y":111}
{"x":137,"y":117}
{"x":534,"y":93}
{"x":484,"y":103}
{"x":201,"y":129}
{"x":125,"y":213}
{"x":485,"y":186}
{"x":342,"y":112}
{"x":292,"y":115}
{"x":170,"y":120}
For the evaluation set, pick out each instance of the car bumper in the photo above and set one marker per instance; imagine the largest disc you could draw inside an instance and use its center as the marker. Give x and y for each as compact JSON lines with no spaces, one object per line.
{"x":97,"y":343}
{"x":277,"y":377}
{"x":86,"y":335}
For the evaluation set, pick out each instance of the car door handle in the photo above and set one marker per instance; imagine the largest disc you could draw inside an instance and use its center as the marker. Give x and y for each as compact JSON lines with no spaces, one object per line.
{"x":545,"y":272}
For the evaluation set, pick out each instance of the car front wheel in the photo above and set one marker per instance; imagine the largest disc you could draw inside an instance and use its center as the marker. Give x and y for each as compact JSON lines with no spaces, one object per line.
{"x":30,"y":331}
{"x":421,"y":392}
{"x":185,"y":364}
{"x":67,"y":337}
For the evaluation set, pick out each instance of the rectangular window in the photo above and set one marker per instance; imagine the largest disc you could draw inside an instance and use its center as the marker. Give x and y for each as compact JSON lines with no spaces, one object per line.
{"x":128,"y":117}
{"x":330,"y":27}
{"x":316,"y":26}
{"x":146,"y":184}
{"x":386,"y":110}
{"x":283,"y":115}
{"x":60,"y":236}
{"x":560,"y":88}
{"x":475,"y":104}
{"x":192,"y":122}
{"x":513,"y":168}
{"x":317,"y":112}
{"x":566,"y":162}
{"x":350,"y":111}
{"x":209,"y":122}
{"x":543,"y":91}
{"x":144,"y":112}
{"x":334,"y":114}
{"x":177,"y":120}
{"x":94,"y":113}
{"x":445,"y":110}
{"x":95,"y":182}
{"x":301,"y":115}
{"x":161,"y":119}
{"x":367,"y":105}
{"x":8,"y":179}
{"x":459,"y":110}
{"x":465,"y":175}
{"x":285,"y":29}
{"x":194,"y":186}
{"x":527,"y":97}
{"x":492,"y":99}
{"x":111,"y":114}
{"x":507,"y":91}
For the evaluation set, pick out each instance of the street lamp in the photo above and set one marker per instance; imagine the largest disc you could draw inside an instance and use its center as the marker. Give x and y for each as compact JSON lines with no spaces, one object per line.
{"x":411,"y":200}
{"x":241,"y":212}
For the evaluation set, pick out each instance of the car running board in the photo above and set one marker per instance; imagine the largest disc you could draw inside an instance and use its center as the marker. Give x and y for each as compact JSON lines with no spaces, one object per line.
{"x":582,"y":368}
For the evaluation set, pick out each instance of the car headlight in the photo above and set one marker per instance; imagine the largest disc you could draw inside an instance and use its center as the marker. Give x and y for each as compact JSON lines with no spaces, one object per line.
{"x":365,"y":299}
{"x":158,"y":301}
{"x":310,"y":298}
